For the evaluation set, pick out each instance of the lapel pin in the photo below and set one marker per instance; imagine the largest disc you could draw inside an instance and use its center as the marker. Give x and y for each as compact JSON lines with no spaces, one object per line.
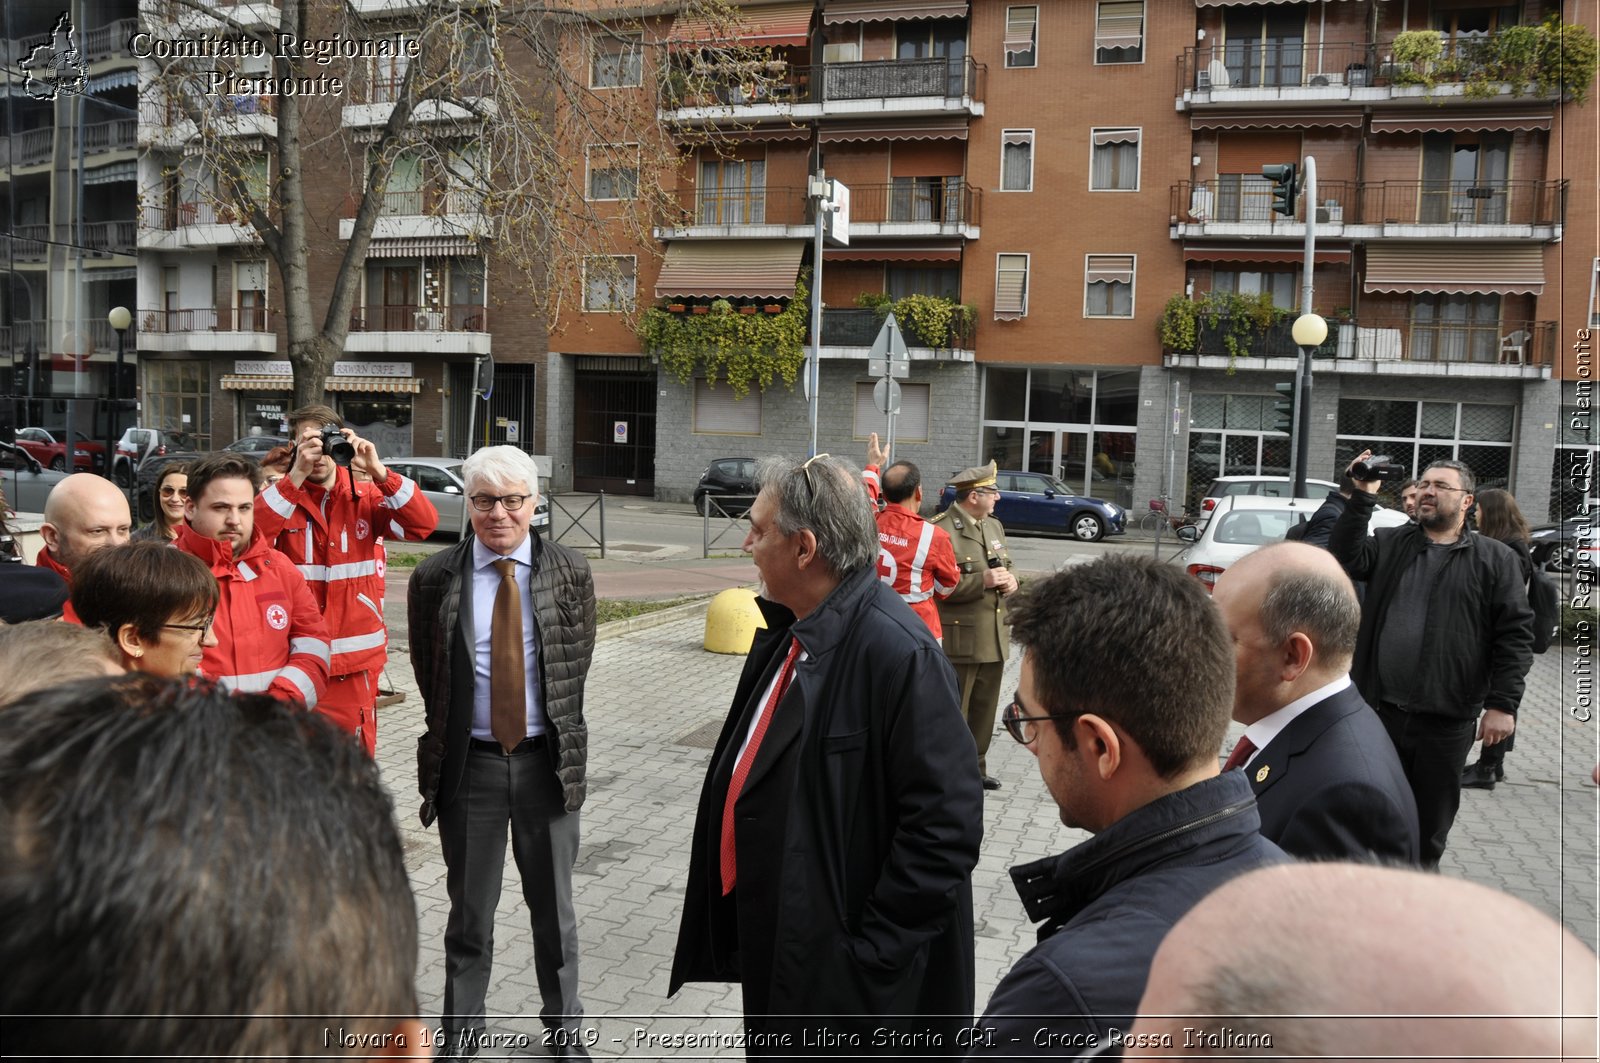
{"x":1261,"y":776}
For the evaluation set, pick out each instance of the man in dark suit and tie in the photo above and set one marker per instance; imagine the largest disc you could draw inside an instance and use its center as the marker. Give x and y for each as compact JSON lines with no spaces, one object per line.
{"x":1326,"y":777}
{"x":502,"y":633}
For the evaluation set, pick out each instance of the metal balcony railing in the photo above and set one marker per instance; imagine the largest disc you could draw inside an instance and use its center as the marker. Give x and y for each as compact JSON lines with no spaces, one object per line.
{"x":784,"y":205}
{"x":408,"y":318}
{"x":387,"y":89}
{"x":779,"y":82}
{"x":223,"y":106}
{"x":205,"y":319}
{"x":936,"y":200}
{"x":1283,"y":63}
{"x":1508,"y":341}
{"x":419,"y":202}
{"x":1246,"y":198}
{"x":858,"y":327}
{"x":115,"y":135}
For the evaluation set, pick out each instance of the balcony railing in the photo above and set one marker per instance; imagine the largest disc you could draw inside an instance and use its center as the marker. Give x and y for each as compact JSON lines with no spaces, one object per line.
{"x":29,"y":242}
{"x":33,"y":147}
{"x":205,"y":319}
{"x":1246,"y":198}
{"x":421,"y":202}
{"x":21,"y":335}
{"x":756,"y":206}
{"x":1506,"y":342}
{"x":945,"y":78}
{"x":222,"y":106}
{"x":387,"y":89}
{"x":935,"y":200}
{"x":455,"y":318}
{"x":116,"y":135}
{"x":110,"y":40}
{"x":850,"y":327}
{"x":108,"y":237}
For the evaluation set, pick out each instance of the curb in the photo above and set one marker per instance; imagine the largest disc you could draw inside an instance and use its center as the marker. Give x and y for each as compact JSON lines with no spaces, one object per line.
{"x":653,"y":619}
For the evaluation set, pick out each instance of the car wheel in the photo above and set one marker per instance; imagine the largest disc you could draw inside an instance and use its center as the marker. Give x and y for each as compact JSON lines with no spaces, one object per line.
{"x":58,"y":463}
{"x":1087,"y":528}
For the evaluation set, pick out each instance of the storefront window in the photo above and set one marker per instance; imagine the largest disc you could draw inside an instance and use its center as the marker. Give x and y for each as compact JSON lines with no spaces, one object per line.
{"x":177,"y":398}
{"x":383,"y":419}
{"x":264,"y":414}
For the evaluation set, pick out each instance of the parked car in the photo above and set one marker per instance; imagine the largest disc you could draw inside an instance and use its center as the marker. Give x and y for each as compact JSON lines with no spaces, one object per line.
{"x":139,"y":445}
{"x":439,"y":479}
{"x":26,"y":482}
{"x":257,"y":446}
{"x":730,"y":480}
{"x":1242,"y":523}
{"x":49,"y":448}
{"x":1261,"y":486}
{"x":1555,"y":545}
{"x":1035,"y":502}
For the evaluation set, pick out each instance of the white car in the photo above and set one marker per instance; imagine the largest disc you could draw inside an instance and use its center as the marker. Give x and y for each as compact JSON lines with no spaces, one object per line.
{"x":1242,"y":523}
{"x":1259,"y":486}
{"x":440,"y":480}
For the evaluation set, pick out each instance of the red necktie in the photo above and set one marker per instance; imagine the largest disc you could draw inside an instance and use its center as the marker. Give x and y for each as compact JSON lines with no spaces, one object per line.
{"x":742,"y":769}
{"x":1240,"y":754}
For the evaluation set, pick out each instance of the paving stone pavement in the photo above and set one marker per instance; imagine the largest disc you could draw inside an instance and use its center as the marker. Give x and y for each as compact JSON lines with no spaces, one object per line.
{"x":654,"y":694}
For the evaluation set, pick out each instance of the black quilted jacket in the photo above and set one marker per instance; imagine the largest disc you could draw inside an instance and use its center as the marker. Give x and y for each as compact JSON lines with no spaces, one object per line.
{"x":563,"y":613}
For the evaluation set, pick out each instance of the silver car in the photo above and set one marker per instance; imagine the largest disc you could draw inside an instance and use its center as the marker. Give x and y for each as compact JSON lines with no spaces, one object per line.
{"x":440,"y":480}
{"x":25,"y":482}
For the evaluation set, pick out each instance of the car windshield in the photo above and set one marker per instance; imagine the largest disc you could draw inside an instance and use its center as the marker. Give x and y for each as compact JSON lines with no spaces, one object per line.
{"x":1252,"y":528}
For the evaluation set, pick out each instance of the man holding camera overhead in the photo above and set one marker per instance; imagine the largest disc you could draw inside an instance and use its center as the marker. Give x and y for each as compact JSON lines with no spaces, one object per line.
{"x":331,"y":527}
{"x":1446,"y":632}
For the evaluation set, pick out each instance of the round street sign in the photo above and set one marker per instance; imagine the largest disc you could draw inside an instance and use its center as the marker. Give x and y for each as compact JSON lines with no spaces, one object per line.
{"x":886,"y":396}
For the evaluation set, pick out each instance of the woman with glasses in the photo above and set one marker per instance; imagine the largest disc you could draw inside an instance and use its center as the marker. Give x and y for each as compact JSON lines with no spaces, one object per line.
{"x":171,"y":493}
{"x":156,"y":604}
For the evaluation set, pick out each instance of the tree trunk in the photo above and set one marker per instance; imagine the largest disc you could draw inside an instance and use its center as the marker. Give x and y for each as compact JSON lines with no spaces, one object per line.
{"x":312,"y":360}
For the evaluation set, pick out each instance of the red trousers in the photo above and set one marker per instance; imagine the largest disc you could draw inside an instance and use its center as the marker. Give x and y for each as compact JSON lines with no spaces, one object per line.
{"x":351,"y":702}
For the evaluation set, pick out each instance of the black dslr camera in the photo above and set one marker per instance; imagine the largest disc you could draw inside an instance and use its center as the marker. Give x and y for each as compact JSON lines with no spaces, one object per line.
{"x":336,"y":446}
{"x":1378,"y":467}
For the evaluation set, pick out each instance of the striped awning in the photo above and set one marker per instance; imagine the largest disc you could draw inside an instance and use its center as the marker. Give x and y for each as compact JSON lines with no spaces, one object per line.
{"x":429,"y":246}
{"x":248,"y":382}
{"x":1445,"y":121}
{"x":900,"y":253}
{"x":1278,"y":120}
{"x":1266,"y":256}
{"x":375,"y":385}
{"x":754,"y":135}
{"x":842,"y":134}
{"x":126,"y":170}
{"x":747,"y":269}
{"x":772,"y":26}
{"x":843,"y":11}
{"x":1226,"y":3}
{"x":1471,"y":269}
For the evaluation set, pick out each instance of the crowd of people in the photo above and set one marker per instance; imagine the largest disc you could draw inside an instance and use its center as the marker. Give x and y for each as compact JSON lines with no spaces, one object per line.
{"x":842,"y":809}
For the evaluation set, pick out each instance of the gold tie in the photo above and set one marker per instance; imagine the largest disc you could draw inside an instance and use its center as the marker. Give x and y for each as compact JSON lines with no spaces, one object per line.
{"x":508,"y":671}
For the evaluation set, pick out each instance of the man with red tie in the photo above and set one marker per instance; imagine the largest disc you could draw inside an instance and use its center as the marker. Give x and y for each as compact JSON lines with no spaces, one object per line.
{"x":839,"y":823}
{"x":915,"y":557}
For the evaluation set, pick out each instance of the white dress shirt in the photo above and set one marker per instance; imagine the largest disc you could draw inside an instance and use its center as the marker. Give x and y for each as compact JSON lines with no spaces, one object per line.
{"x":485,"y":585}
{"x":1270,"y":726}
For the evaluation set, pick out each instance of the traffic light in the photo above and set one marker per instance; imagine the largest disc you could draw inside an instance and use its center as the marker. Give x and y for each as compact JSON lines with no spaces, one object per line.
{"x":1283,"y":409}
{"x":1285,"y":179}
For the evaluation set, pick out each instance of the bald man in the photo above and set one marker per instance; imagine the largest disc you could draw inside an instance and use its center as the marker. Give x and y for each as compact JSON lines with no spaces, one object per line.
{"x":1327,"y":780}
{"x":1390,"y":962}
{"x":82,"y":514}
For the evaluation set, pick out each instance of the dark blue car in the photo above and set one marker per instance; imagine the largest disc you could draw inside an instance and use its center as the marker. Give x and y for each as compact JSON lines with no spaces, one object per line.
{"x":1035,"y":502}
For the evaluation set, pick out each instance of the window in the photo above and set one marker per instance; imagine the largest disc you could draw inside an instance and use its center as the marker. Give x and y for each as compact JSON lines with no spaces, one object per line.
{"x":1010,"y":287}
{"x":618,"y":63}
{"x":177,"y":398}
{"x":910,"y":424}
{"x":717,"y":412}
{"x":1420,"y":432}
{"x":1119,"y":31}
{"x":1108,"y":286}
{"x":1114,"y":160}
{"x":1264,"y":46}
{"x":1280,"y":284}
{"x":1016,"y":160}
{"x":941,"y":281}
{"x":1455,"y":327}
{"x":1022,"y":36}
{"x":250,"y":288}
{"x":732,"y":192}
{"x":609,"y":282}
{"x":613,"y":171}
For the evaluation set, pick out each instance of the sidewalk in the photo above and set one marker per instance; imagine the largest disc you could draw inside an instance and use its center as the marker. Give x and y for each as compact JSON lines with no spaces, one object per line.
{"x":649,"y":740}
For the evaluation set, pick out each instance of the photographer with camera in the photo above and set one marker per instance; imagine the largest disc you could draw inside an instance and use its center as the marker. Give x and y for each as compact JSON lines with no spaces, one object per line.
{"x":1446,"y":632}
{"x":331,"y":527}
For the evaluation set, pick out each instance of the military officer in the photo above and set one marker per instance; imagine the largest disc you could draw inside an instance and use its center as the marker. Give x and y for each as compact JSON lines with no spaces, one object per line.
{"x":977,"y":636}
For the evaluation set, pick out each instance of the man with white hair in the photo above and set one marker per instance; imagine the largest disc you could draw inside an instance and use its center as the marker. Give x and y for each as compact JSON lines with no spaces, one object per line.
{"x":82,"y":514}
{"x":502,"y":633}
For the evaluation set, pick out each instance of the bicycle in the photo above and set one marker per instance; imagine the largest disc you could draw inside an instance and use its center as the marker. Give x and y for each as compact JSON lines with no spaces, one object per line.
{"x":1158,"y":515}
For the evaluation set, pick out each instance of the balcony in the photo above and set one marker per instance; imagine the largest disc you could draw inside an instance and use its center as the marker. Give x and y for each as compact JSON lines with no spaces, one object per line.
{"x":110,"y":41}
{"x":376,"y":99}
{"x":191,"y":21}
{"x":408,"y":329}
{"x":1292,"y":71}
{"x":105,"y":237}
{"x":169,"y":123}
{"x":774,"y":90}
{"x":34,"y":147}
{"x":207,"y":328}
{"x":857,"y":327}
{"x":922,"y":206}
{"x":1384,"y":346}
{"x":191,"y":224}
{"x":421,"y":212}
{"x":30,"y":243}
{"x":121,"y":134}
{"x":755,"y":212}
{"x":20,"y":337}
{"x":1241,"y":206}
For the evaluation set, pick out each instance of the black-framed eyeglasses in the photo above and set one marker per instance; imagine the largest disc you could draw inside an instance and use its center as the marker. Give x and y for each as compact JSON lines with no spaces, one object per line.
{"x":484,"y":503}
{"x":805,"y":471}
{"x":202,"y":627}
{"x":1020,"y":726}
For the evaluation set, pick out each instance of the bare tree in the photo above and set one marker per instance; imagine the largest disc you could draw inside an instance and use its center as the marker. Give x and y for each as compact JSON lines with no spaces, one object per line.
{"x":494,"y":104}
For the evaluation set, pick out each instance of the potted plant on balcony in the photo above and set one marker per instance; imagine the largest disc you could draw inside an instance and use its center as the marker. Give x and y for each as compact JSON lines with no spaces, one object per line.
{"x":1416,"y":53}
{"x":746,"y":349}
{"x":1553,"y":58}
{"x":676,"y":308}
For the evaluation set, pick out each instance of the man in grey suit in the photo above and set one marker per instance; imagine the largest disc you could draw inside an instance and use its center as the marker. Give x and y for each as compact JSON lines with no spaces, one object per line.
{"x":1326,"y":777}
{"x":502,"y":633}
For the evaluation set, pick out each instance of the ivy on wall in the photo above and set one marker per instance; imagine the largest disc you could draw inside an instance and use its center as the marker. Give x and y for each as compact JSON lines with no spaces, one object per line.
{"x":740,"y":347}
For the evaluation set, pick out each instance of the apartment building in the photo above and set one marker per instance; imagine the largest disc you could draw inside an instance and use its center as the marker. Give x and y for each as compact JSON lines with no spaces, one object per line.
{"x":1068,"y":169}
{"x":67,"y":203}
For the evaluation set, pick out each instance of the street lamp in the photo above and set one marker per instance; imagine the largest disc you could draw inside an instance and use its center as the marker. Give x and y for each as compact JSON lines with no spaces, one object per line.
{"x":1309,"y":332}
{"x":119,"y":319}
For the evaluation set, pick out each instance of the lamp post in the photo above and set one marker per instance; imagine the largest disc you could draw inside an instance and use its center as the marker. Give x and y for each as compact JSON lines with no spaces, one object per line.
{"x":119,"y":319}
{"x":1309,"y":332}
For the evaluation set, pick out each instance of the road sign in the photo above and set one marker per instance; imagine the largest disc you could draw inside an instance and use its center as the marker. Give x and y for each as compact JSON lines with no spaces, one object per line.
{"x":886,"y":396}
{"x":839,"y":215}
{"x":619,"y":431}
{"x":888,"y":356}
{"x":484,"y":385}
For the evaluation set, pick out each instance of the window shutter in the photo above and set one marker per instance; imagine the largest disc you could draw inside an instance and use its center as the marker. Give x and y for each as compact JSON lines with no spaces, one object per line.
{"x":717,"y":412}
{"x":910,"y":424}
{"x":1011,"y":286}
{"x":1110,"y":269}
{"x":1021,"y":27}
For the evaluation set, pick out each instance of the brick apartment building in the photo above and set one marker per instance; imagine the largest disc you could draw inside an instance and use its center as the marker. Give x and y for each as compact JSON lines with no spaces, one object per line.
{"x":1066,"y":168}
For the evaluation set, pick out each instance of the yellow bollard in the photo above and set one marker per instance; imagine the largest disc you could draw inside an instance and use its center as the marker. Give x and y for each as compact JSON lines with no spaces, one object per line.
{"x":731,"y":621}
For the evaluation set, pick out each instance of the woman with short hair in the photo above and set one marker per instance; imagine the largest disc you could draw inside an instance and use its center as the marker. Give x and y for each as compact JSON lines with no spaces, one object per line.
{"x":156,"y":603}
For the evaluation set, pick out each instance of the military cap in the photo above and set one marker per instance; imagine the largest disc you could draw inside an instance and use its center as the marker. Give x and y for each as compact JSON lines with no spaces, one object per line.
{"x":977,"y":476}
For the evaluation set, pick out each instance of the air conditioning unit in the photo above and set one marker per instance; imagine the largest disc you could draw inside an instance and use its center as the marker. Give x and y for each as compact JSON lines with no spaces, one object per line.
{"x":1202,"y":81}
{"x":428,"y":321}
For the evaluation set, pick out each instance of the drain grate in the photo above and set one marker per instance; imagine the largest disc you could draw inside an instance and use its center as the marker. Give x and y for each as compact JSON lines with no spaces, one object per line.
{"x":702,"y":737}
